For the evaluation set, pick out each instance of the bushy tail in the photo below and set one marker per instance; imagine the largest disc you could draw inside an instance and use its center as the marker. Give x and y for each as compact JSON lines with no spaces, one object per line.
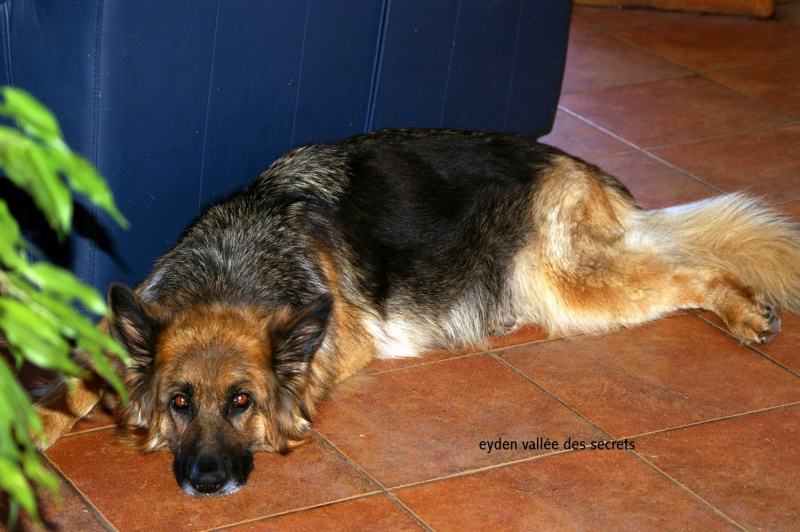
{"x":741,"y":235}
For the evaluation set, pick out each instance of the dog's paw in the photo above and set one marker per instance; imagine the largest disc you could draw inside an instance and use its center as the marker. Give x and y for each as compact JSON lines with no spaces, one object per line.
{"x":757,"y":325}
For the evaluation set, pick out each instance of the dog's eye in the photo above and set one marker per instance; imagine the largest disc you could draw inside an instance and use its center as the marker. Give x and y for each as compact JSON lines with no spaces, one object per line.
{"x":180,"y":401}
{"x":241,"y":400}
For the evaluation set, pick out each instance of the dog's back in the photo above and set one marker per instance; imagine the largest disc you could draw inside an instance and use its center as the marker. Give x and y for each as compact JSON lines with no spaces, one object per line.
{"x":436,"y":237}
{"x":417,"y":229}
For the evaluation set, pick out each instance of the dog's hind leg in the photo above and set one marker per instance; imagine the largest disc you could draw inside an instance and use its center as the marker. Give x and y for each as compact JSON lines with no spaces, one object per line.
{"x":598,"y":262}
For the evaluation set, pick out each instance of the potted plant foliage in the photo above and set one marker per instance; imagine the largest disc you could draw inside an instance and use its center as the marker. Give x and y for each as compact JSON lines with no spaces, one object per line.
{"x":43,"y":308}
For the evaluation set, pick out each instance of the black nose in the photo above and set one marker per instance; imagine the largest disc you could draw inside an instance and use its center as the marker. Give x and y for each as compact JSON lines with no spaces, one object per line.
{"x":208,"y":475}
{"x":211,"y":472}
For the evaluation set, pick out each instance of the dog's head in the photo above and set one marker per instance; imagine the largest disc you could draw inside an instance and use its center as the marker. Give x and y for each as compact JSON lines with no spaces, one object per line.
{"x":215,"y":383}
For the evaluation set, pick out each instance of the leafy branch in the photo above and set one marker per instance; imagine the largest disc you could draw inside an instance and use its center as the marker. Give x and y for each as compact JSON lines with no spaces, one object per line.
{"x":39,"y":302}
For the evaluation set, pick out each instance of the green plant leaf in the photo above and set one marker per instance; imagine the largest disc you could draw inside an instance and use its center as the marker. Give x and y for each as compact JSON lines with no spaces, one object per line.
{"x":62,"y":284}
{"x":85,"y":180}
{"x":28,"y":165}
{"x":10,"y":240}
{"x":32,"y":116}
{"x":37,"y":340}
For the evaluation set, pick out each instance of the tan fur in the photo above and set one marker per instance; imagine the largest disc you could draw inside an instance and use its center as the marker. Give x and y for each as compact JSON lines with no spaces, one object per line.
{"x":599,"y":262}
{"x":64,"y":404}
{"x":742,"y":235}
{"x":350,"y":346}
{"x":184,"y":356}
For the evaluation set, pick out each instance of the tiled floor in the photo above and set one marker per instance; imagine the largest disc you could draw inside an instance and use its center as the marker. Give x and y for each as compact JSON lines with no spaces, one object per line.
{"x":680,"y":107}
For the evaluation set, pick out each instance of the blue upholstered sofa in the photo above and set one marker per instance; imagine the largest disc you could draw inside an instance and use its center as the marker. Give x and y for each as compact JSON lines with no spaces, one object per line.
{"x":178,"y":102}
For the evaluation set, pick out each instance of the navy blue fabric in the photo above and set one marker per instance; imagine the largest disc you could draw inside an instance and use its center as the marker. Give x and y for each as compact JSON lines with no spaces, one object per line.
{"x":472,"y":64}
{"x":180,"y":102}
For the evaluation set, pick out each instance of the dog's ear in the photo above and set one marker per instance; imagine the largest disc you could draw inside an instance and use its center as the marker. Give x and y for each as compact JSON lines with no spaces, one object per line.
{"x":296,"y":338}
{"x":134,"y":323}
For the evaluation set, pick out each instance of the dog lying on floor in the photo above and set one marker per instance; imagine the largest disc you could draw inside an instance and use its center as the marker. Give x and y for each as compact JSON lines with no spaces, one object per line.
{"x":389,"y":243}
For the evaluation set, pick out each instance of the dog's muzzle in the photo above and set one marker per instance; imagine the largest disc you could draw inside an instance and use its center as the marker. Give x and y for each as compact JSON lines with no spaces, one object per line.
{"x":208,"y":475}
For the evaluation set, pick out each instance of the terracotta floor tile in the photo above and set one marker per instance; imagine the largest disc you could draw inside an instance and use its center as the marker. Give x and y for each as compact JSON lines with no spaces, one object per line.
{"x":596,"y":60}
{"x":581,"y":139}
{"x":427,"y":422}
{"x":764,"y":163}
{"x":654,"y":184}
{"x":776,"y":84}
{"x":665,"y":374}
{"x":672,"y":111}
{"x":369,"y":513}
{"x":714,"y":42}
{"x":614,"y":18}
{"x":588,"y":490}
{"x":746,"y":467}
{"x":135,"y":491}
{"x":577,"y":26}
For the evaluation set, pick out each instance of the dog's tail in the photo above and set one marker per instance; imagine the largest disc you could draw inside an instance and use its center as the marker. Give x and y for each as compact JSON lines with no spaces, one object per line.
{"x":741,"y":235}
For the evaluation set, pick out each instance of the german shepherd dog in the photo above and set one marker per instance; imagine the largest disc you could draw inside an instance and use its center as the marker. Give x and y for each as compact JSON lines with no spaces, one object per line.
{"x":392,"y":242}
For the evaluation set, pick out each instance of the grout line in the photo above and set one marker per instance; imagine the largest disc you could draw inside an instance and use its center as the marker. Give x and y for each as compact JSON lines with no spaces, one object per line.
{"x":647,"y":151}
{"x":489,"y":349}
{"x":770,"y":61}
{"x":483,"y":469}
{"x":423,"y":362}
{"x":688,"y":491}
{"x":408,"y":511}
{"x":715,"y":420}
{"x":794,"y":119}
{"x":330,"y":445}
{"x":680,"y":143}
{"x":599,"y":88}
{"x":550,"y":394}
{"x":750,"y":347}
{"x":293,"y":511}
{"x":377,"y":487}
{"x":612,"y":33}
{"x":383,"y":489}
{"x":88,"y":431}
